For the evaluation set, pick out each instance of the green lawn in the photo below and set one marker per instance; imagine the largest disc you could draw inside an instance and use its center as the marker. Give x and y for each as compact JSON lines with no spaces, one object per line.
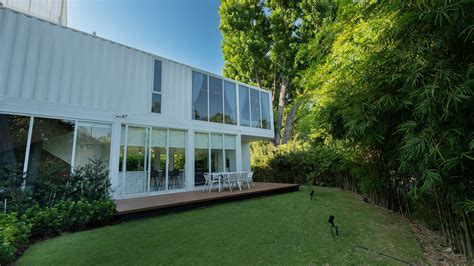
{"x":283,"y":229}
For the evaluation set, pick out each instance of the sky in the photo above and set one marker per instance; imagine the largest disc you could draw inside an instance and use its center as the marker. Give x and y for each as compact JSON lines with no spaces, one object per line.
{"x":186,"y":31}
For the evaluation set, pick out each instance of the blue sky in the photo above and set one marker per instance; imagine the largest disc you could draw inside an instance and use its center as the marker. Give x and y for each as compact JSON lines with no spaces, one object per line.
{"x":183,"y":30}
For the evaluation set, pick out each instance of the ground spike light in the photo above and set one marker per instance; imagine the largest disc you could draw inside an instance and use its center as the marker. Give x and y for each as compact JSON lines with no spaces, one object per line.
{"x":331,"y":222}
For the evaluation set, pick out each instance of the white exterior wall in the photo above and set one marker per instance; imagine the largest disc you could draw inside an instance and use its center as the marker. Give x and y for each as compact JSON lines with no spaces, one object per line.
{"x":53,"y":71}
{"x":246,"y":156}
{"x":46,"y":69}
{"x":51,"y":10}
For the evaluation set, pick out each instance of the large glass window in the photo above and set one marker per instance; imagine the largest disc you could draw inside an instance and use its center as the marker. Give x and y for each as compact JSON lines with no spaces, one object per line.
{"x":213,"y":153}
{"x":244,"y":106}
{"x":217,"y":153}
{"x":50,"y":150}
{"x":93,"y":142}
{"x":255,"y":108}
{"x":177,"y":159}
{"x":158,"y":160}
{"x":230,"y":157}
{"x":201,"y":157}
{"x":136,"y":171}
{"x":216,"y":110}
{"x":265,"y":104}
{"x":13,"y":139}
{"x":156,"y":92}
{"x":200,"y":99}
{"x":230,"y":103}
{"x":155,"y":160}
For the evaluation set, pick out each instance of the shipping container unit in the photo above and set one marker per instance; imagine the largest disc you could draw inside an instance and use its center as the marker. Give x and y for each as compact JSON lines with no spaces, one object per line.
{"x":67,"y":97}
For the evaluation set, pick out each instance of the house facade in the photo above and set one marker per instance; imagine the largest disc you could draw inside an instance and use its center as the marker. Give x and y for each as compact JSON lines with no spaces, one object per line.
{"x":67,"y":97}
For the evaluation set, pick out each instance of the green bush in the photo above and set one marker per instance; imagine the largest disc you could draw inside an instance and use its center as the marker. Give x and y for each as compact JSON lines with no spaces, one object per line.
{"x":43,"y":221}
{"x":325,"y":165}
{"x":68,"y":216}
{"x":14,"y":235}
{"x":52,"y":203}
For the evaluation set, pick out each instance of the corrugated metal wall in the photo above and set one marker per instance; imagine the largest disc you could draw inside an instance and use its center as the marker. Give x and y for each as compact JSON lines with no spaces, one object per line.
{"x":54,"y":64}
{"x":46,"y":69}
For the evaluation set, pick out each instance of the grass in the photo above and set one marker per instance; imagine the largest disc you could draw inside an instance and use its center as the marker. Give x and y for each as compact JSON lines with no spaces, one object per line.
{"x":283,"y":229}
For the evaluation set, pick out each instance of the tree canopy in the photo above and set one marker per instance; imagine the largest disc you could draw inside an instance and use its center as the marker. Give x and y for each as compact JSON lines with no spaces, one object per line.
{"x":389,"y":82}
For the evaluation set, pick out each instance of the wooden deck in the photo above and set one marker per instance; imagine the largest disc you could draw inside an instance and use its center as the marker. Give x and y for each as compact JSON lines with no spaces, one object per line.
{"x":162,"y":204}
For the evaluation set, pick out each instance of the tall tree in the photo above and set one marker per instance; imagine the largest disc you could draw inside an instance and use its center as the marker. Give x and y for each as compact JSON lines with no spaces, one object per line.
{"x":260,"y":46}
{"x":245,"y":29}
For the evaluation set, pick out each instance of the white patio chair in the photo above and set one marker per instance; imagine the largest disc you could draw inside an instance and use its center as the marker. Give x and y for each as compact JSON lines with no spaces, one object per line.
{"x":250,"y":178}
{"x":234,"y":178}
{"x":207,"y":179}
{"x":244,"y":177}
{"x":215,"y":178}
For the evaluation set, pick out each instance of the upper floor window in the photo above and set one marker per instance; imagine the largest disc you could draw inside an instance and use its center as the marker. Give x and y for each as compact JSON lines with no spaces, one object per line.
{"x":156,"y":91}
{"x":244,"y":106}
{"x":230,"y":103}
{"x":200,"y":97}
{"x":214,"y":99}
{"x":254,"y":108}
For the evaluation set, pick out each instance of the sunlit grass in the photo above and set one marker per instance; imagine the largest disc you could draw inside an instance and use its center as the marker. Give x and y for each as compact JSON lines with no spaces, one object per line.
{"x":283,"y":229}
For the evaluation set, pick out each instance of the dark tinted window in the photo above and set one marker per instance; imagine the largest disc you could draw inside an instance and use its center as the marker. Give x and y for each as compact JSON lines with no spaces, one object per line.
{"x":157,"y":77}
{"x":199,"y":96}
{"x":216,"y":110}
{"x":156,"y":103}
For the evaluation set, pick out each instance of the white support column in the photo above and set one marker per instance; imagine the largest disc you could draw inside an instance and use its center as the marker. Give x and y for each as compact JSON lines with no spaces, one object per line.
{"x":190,"y":160}
{"x":246,"y":156}
{"x":238,"y":152}
{"x":114,"y":158}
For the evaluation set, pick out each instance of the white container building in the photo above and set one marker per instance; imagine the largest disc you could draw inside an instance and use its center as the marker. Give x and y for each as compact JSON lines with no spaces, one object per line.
{"x":67,"y":96}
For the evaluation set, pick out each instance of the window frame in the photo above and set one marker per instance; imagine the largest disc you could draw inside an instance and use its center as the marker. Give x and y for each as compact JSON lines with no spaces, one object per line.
{"x":153,"y":92}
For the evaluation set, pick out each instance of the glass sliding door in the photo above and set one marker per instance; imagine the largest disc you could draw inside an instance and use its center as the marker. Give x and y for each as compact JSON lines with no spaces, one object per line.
{"x":177,"y":159}
{"x":201,"y":157}
{"x":217,"y":153}
{"x":158,"y":160}
{"x":135,"y":176}
{"x":153,"y":159}
{"x":230,"y":156}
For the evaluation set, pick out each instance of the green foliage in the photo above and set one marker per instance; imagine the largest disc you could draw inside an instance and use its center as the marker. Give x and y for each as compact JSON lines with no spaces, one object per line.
{"x":13,"y":236}
{"x":51,"y":185}
{"x":11,"y":183}
{"x":54,"y":203}
{"x":68,"y":216}
{"x":297,"y":162}
{"x":404,"y":96}
{"x":388,"y":89}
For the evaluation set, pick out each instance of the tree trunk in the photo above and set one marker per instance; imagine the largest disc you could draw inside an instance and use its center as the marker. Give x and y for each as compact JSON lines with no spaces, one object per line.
{"x":276,"y":78}
{"x":281,"y":107}
{"x":289,"y":121}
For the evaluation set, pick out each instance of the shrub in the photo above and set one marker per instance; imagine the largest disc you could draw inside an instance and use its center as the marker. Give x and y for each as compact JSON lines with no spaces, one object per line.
{"x":326,"y":165}
{"x":14,"y":235}
{"x":69,"y":216}
{"x":43,"y":221}
{"x":11,"y":182}
{"x":53,"y":202}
